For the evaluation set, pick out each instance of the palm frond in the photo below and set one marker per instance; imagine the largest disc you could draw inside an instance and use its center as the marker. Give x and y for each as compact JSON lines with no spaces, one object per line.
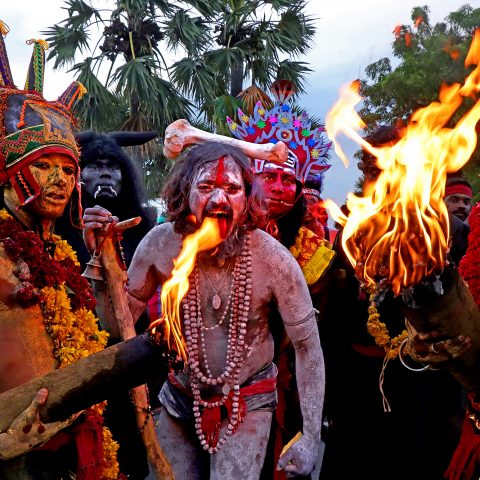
{"x":191,"y":33}
{"x":222,"y":59}
{"x":64,"y":43}
{"x":194,"y":78}
{"x":224,"y":106}
{"x":98,"y":109}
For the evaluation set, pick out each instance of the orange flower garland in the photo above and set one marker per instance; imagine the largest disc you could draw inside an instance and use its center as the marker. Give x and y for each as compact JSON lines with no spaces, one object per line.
{"x":378,"y":330}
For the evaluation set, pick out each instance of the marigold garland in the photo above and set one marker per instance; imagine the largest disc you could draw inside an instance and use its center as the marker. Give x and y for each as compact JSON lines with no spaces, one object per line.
{"x":66,"y":302}
{"x":313,"y":254}
{"x":378,"y":330}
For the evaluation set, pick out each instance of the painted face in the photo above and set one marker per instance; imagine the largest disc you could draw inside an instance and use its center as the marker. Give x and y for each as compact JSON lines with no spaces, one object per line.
{"x":56,"y":176}
{"x":102,"y":178}
{"x":218,"y":191}
{"x":459,"y":205}
{"x":279,"y":188}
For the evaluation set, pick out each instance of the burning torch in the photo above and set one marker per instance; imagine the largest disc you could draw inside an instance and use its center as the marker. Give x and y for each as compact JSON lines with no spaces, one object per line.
{"x":397,"y":234}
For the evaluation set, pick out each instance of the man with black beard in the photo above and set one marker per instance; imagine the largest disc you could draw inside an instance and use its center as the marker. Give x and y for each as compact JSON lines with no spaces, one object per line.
{"x":216,"y":414}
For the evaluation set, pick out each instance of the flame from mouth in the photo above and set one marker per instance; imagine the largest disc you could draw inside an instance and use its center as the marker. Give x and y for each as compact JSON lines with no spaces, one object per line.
{"x":174,"y":289}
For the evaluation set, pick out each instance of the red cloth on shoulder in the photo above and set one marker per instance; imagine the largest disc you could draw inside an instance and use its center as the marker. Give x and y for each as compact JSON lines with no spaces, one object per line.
{"x":465,"y":463}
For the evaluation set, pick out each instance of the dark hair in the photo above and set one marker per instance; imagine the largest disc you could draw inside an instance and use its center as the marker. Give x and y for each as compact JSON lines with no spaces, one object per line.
{"x":132,"y":194}
{"x":457,"y":180}
{"x":314,"y":180}
{"x":176,"y":191}
{"x":290,"y":223}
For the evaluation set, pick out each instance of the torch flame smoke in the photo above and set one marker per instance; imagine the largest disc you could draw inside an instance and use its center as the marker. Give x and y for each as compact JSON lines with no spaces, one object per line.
{"x":175,"y":288}
{"x":399,"y":228}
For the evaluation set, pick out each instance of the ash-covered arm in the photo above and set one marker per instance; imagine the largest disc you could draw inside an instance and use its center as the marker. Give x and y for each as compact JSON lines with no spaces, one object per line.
{"x":295,"y":307}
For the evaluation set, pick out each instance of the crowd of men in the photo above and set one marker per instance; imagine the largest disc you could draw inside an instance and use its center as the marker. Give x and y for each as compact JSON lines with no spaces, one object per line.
{"x":264,"y":303}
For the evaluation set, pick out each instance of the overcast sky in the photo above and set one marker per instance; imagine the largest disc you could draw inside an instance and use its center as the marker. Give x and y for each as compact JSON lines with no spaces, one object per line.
{"x":350,"y":35}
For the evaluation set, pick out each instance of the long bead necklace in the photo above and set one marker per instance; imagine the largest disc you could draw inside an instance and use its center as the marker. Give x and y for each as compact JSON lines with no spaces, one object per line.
{"x":241,"y":289}
{"x":216,"y":300}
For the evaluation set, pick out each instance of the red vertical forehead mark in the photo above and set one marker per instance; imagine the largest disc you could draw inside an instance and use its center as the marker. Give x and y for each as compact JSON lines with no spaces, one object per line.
{"x":220,"y":171}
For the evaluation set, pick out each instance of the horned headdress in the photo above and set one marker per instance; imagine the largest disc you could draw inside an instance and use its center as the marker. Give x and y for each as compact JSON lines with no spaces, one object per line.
{"x":31,"y":126}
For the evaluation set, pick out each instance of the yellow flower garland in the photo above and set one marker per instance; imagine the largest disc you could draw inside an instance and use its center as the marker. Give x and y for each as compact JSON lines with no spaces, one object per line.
{"x":75,"y":335}
{"x":313,"y":254}
{"x":378,"y":330}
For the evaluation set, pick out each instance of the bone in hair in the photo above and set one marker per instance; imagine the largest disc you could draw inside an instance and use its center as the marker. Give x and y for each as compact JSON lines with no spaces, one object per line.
{"x":181,"y":134}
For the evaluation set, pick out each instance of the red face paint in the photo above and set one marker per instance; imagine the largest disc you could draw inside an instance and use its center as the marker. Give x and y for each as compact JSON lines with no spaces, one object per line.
{"x":220,"y":171}
{"x":218,"y":190}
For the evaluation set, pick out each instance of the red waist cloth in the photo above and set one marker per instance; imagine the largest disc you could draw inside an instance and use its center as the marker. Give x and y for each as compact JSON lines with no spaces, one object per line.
{"x":212,"y":417}
{"x":368,"y":350}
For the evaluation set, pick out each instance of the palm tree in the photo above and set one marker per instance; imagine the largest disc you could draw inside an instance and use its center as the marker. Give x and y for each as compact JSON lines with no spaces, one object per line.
{"x":225,"y":43}
{"x":258,"y":40}
{"x":125,"y":72}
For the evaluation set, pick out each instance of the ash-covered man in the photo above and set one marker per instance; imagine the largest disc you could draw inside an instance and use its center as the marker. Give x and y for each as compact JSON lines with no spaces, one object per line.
{"x":230,"y":379}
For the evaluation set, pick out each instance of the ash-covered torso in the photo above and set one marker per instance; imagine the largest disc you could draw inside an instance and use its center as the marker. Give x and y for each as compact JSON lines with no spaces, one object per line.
{"x":276,"y":284}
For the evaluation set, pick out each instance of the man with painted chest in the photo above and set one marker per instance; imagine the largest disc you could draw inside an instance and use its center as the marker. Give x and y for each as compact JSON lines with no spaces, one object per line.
{"x":216,"y":414}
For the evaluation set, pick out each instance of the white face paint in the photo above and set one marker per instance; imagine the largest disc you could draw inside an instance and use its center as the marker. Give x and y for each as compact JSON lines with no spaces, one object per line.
{"x":218,"y":191}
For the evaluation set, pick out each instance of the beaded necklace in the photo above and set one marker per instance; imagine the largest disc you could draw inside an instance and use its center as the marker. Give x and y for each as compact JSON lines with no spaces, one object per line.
{"x":195,"y":329}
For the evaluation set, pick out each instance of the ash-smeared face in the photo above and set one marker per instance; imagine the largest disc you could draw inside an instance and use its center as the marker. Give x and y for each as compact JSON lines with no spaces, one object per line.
{"x":218,"y":191}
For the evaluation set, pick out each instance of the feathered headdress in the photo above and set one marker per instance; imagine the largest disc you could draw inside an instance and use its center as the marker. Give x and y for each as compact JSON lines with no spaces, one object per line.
{"x":307,"y":147}
{"x":31,"y":126}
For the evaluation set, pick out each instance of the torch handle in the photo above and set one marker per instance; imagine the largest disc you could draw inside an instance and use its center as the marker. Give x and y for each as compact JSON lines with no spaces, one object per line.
{"x":86,"y":382}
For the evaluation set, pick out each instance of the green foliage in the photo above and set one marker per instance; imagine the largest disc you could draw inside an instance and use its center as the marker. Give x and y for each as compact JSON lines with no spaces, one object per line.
{"x":428,"y":56}
{"x":255,"y":40}
{"x":129,"y":84}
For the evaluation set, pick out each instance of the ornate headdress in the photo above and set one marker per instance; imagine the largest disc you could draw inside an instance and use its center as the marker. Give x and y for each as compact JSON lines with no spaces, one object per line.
{"x":308,"y":149}
{"x":31,"y":126}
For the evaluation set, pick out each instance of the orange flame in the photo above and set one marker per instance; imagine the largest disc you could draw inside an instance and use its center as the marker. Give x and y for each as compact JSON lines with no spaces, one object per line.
{"x":175,"y":288}
{"x":399,"y":229}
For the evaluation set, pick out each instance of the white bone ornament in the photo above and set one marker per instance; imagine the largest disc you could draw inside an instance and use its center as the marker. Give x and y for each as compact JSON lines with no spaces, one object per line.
{"x":180,"y":134}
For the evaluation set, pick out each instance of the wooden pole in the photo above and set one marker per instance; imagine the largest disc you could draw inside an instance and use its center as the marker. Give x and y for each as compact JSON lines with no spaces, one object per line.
{"x":451,"y":314}
{"x":116,"y":279}
{"x":86,"y":382}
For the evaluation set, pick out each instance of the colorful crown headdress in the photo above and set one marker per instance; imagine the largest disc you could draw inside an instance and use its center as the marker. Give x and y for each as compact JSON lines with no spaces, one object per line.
{"x":31,"y":126}
{"x":308,"y":149}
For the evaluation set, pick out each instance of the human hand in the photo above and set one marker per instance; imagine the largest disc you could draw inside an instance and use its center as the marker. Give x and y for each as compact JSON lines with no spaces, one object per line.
{"x":299,"y":459}
{"x":95,"y":219}
{"x":432,"y":348}
{"x":27,"y":430}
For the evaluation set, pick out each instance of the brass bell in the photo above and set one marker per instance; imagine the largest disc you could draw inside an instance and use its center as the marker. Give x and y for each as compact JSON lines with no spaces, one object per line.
{"x":94,"y":269}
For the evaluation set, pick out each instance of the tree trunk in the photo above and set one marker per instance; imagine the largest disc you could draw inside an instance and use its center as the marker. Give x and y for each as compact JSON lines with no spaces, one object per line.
{"x":236,"y":79}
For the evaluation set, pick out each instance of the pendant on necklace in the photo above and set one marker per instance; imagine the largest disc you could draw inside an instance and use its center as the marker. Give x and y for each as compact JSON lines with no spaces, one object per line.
{"x":221,"y":262}
{"x":216,"y":302}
